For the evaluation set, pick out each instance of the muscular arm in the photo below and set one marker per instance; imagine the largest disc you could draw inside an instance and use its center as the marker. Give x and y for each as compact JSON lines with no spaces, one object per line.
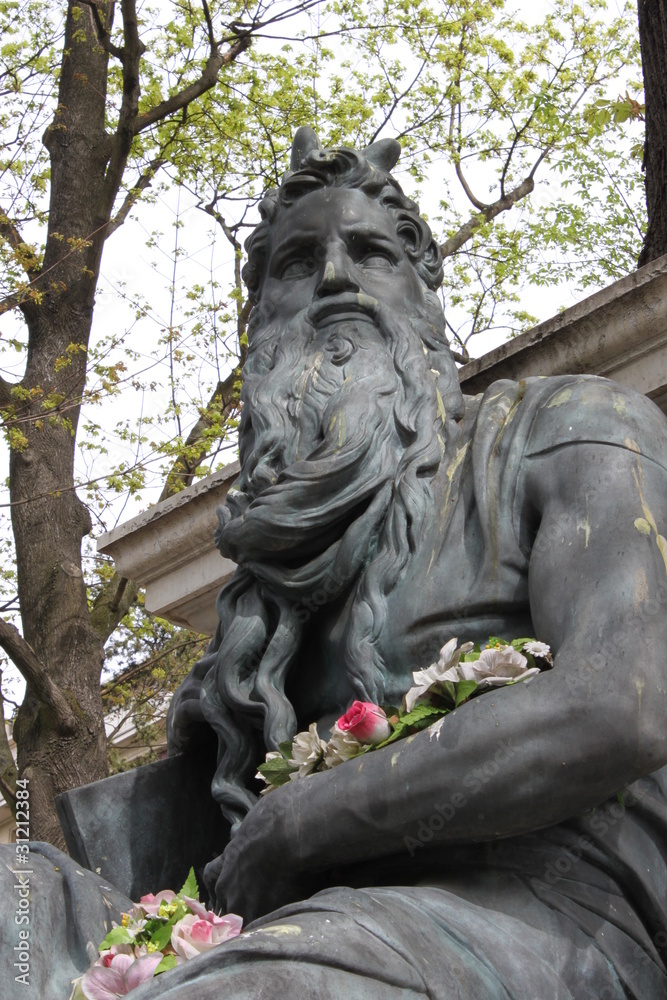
{"x":547,"y":750}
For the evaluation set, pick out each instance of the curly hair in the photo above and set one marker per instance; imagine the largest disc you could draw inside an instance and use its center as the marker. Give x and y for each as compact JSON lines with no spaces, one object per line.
{"x":352,"y":169}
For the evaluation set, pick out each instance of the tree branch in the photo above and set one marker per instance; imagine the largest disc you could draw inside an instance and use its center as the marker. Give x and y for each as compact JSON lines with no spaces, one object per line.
{"x":33,"y":670}
{"x":466,"y":187}
{"x":143,"y":181}
{"x":103,"y":36}
{"x":25,"y":255}
{"x":8,"y":769}
{"x":222,"y":402}
{"x":206,"y":81}
{"x":112,"y":604}
{"x":489,"y":212}
{"x":138,"y":668}
{"x":133,"y":50}
{"x":209,"y":25}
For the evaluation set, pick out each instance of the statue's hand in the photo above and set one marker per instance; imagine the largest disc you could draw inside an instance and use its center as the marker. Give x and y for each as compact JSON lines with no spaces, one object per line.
{"x":259,"y":872}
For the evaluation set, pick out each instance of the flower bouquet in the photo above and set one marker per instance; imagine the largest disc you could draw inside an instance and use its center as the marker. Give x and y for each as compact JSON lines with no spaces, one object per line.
{"x":458,"y":675}
{"x":159,"y":933}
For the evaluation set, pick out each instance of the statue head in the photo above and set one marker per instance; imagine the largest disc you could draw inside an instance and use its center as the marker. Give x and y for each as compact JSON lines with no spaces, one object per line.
{"x":349,"y":398}
{"x":367,"y":171}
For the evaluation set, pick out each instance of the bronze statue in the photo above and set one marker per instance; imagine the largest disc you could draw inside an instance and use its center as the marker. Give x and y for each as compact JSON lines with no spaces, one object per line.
{"x":376,"y":516}
{"x":516,"y":849}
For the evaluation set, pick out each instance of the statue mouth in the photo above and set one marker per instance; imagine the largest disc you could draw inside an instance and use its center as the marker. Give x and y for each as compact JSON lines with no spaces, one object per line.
{"x":336,"y":308}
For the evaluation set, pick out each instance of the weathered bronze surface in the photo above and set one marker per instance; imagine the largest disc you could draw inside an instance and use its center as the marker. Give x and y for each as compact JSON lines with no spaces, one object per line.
{"x":377,"y":515}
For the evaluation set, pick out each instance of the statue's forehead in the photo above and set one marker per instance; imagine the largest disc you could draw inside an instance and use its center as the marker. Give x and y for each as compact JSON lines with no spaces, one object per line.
{"x":331,"y":211}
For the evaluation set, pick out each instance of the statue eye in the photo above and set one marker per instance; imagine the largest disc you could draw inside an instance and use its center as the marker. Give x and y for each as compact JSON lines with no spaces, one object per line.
{"x":297,"y":267}
{"x":377,"y":259}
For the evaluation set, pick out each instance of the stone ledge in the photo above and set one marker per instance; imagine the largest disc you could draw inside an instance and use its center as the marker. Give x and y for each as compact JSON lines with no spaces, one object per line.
{"x":169,"y":550}
{"x":619,"y":332}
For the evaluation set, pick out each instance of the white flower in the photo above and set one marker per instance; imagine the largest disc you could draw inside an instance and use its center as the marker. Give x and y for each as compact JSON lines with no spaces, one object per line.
{"x":342,"y":746}
{"x":539,"y":649}
{"x":497,"y":667}
{"x":307,"y":751}
{"x":448,"y":661}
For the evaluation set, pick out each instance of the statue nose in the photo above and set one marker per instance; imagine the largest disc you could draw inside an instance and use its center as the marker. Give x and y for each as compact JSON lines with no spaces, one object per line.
{"x":337,"y":275}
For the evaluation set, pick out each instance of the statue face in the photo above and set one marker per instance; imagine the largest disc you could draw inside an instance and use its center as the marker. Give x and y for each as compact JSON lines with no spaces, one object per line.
{"x":336,"y":252}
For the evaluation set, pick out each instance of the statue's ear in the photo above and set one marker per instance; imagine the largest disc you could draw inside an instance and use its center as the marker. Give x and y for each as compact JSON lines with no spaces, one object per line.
{"x":383,"y":153}
{"x":305,"y":141}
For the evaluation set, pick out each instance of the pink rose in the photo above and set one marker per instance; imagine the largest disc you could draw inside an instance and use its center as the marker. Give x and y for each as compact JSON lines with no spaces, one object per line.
{"x":194,"y":934}
{"x":366,"y":722}
{"x":149,"y":905}
{"x":122,"y":975}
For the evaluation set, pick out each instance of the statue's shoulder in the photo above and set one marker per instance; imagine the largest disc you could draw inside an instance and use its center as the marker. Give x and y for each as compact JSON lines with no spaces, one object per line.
{"x":585,"y":409}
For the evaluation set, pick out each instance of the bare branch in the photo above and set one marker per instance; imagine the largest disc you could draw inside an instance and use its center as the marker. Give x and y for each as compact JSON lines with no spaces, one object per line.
{"x":138,"y":668}
{"x":464,"y":184}
{"x":209,"y":25}
{"x":133,"y":50}
{"x":222,"y":403}
{"x":489,"y":212}
{"x":13,"y":301}
{"x":33,"y":670}
{"x":143,"y":182}
{"x":102,"y":33}
{"x":206,"y":81}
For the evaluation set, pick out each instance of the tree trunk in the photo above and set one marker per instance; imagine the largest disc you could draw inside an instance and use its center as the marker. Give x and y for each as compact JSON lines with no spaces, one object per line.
{"x":653,"y":40}
{"x":56,"y":750}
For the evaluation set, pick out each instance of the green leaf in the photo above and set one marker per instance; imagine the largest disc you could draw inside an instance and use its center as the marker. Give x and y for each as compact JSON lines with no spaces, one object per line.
{"x":190,"y":887}
{"x":518,"y":644}
{"x":419,"y":718}
{"x":286,"y":748}
{"x":463,"y":691}
{"x":276,"y":771}
{"x":119,"y":935}
{"x":162,"y":936}
{"x":168,"y":962}
{"x":182,"y":910}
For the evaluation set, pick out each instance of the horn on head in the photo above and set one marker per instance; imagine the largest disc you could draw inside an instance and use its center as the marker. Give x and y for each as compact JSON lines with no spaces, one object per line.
{"x":305,"y":141}
{"x":384,"y":153}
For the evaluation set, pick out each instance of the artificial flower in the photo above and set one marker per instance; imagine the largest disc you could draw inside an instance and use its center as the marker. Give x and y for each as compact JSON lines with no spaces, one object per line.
{"x":341,"y":746}
{"x":307,"y":751}
{"x":440,"y":671}
{"x":105,"y":957}
{"x":366,"y":722}
{"x":494,"y":668}
{"x":149,"y":905}
{"x":194,"y":934}
{"x":124,"y":973}
{"x":540,"y":649}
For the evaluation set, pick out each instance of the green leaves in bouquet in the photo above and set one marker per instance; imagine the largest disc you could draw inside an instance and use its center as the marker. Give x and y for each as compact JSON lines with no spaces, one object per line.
{"x":118,"y":935}
{"x":419,"y":718}
{"x":277,"y":771}
{"x":190,"y":887}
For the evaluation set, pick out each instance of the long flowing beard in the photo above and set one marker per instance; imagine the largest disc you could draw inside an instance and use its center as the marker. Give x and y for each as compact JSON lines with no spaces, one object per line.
{"x":339,"y":439}
{"x":328,"y":420}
